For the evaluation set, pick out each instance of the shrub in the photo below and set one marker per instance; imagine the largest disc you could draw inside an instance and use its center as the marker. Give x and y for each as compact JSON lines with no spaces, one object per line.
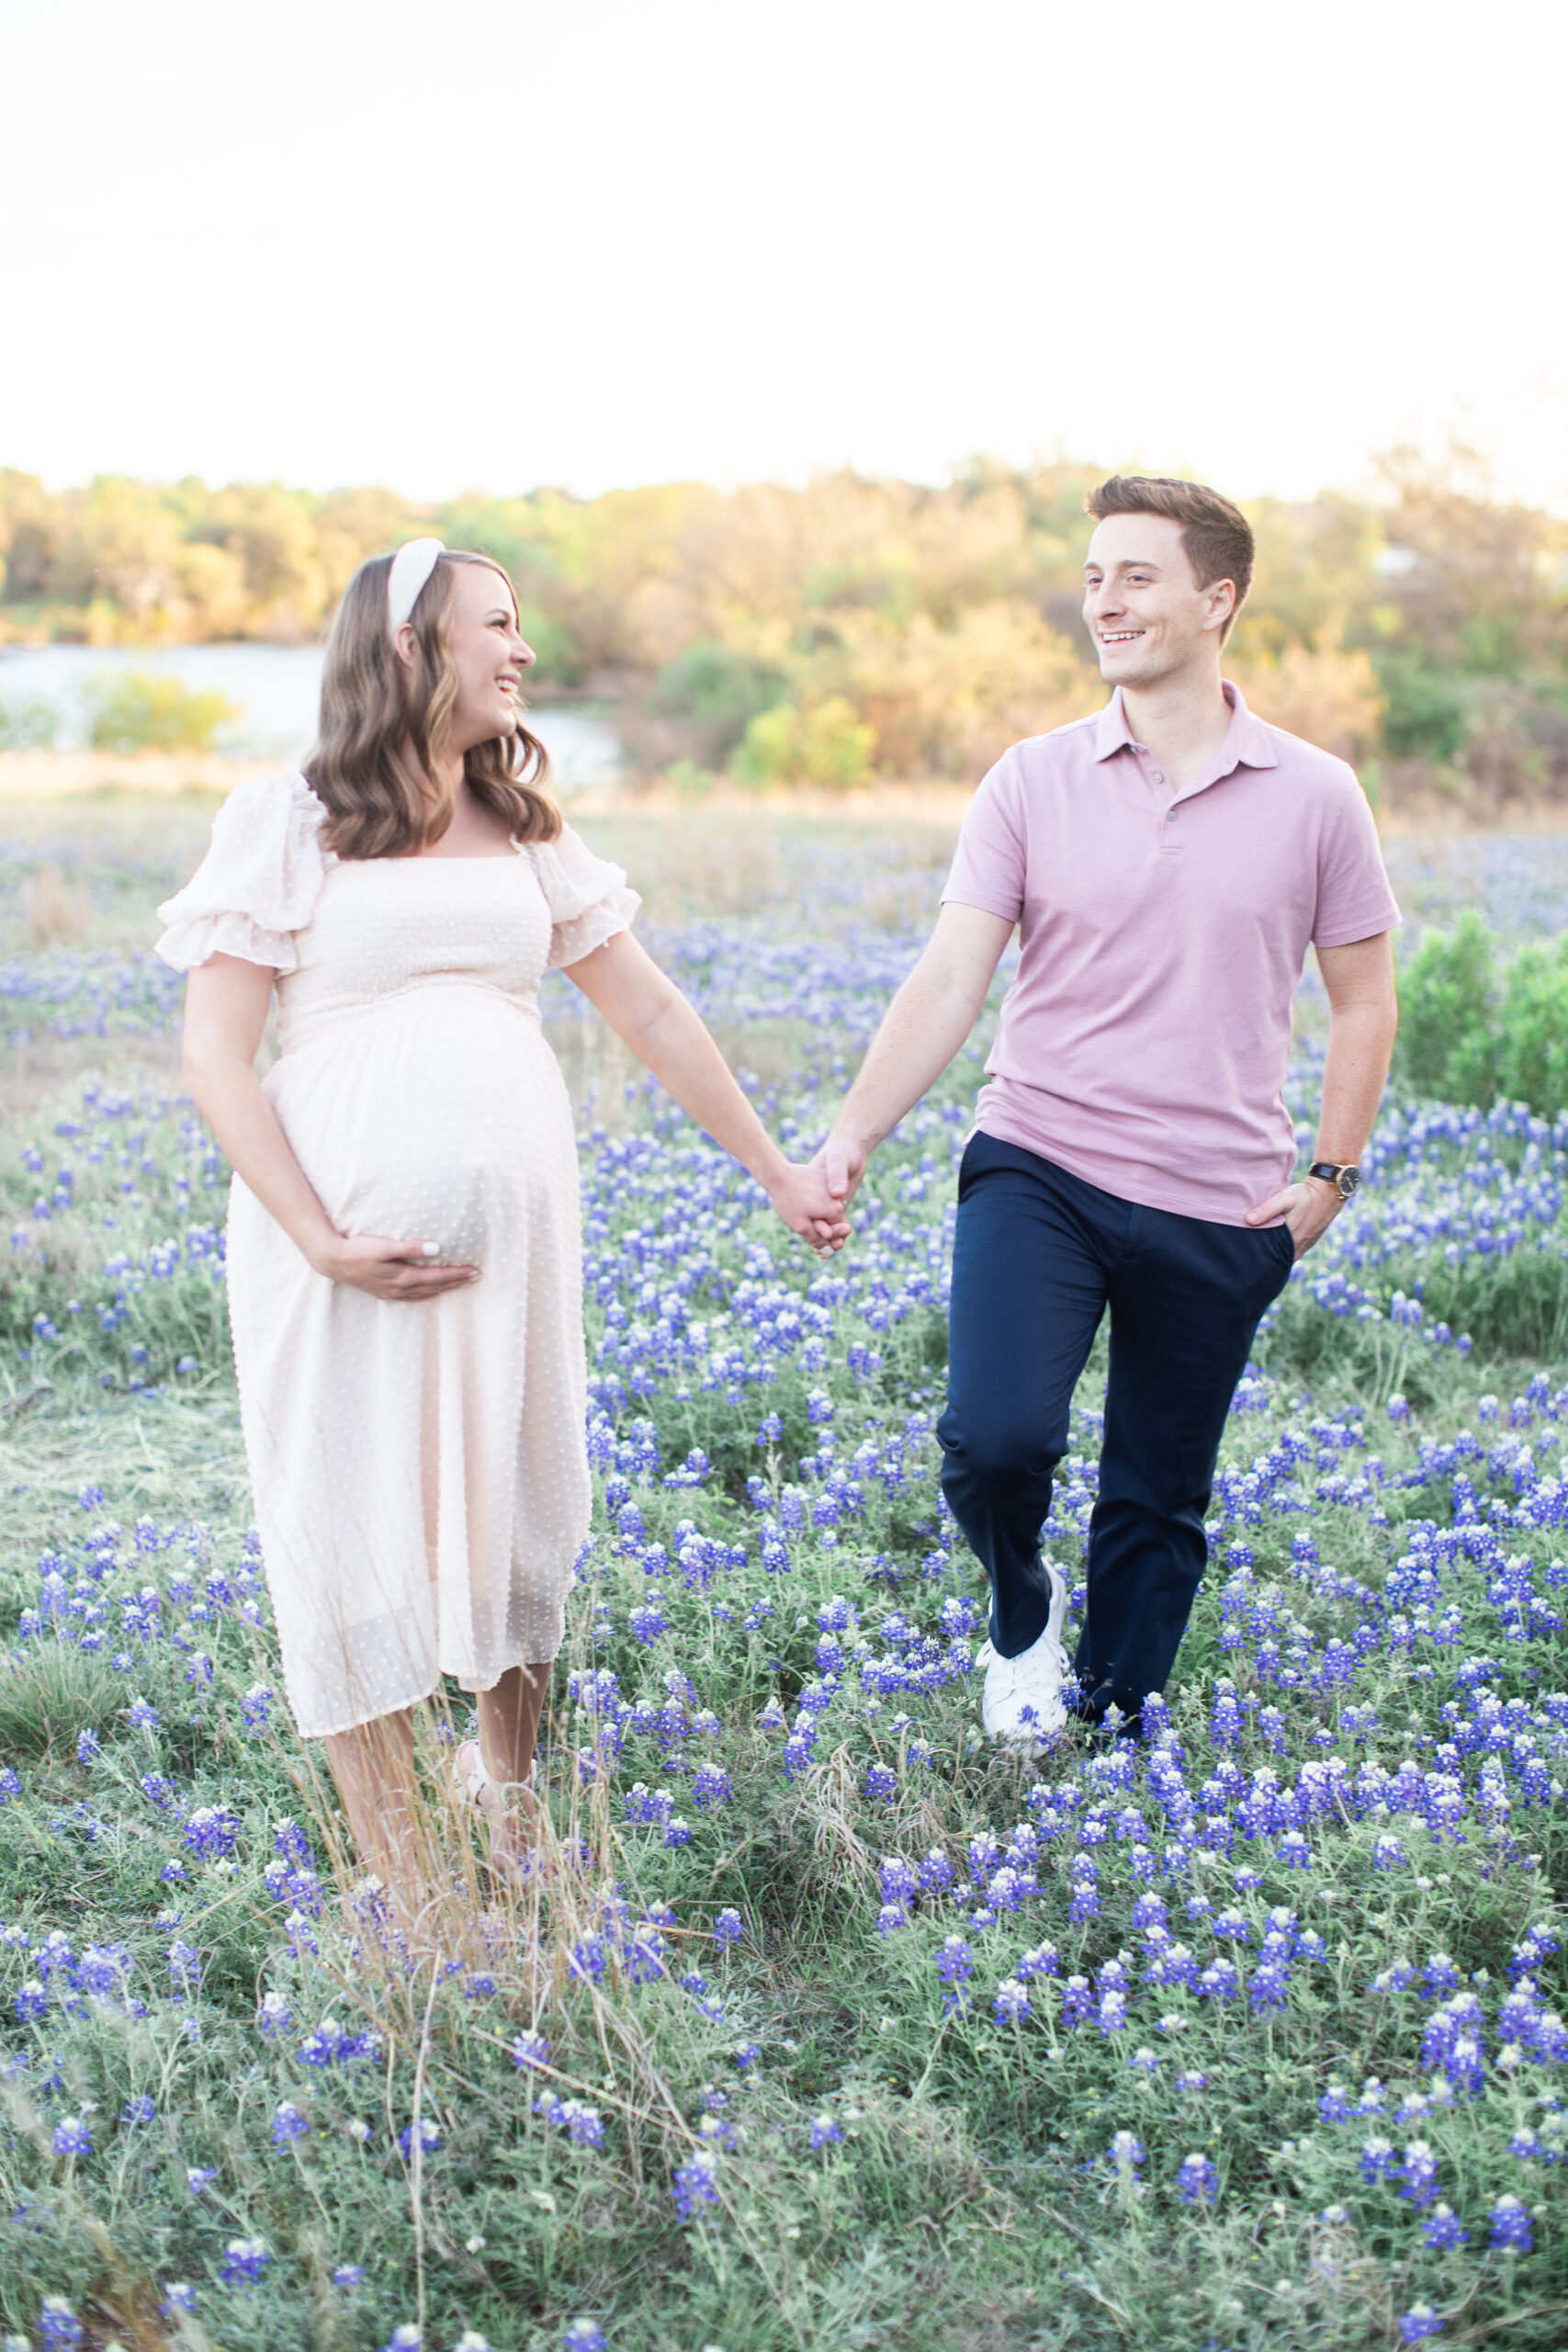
{"x":1533,"y":1049}
{"x":1472,"y":1029}
{"x":1447,"y":1014}
{"x":1425,"y":712}
{"x":138,"y":710}
{"x":557,"y":657}
{"x":29,"y":726}
{"x":717,"y":690}
{"x":829,"y":744}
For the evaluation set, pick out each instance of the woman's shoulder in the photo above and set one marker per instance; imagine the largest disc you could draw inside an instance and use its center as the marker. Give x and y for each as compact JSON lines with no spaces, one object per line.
{"x":266,"y":802}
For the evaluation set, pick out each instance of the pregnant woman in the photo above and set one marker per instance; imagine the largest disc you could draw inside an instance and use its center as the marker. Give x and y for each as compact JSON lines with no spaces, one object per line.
{"x":403,"y":1232}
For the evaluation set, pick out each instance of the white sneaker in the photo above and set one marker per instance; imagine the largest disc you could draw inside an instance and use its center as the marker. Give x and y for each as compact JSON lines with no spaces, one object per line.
{"x":1022,"y":1701}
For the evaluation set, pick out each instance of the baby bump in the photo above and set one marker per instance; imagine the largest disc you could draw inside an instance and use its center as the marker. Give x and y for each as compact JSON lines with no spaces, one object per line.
{"x":442,"y":1116}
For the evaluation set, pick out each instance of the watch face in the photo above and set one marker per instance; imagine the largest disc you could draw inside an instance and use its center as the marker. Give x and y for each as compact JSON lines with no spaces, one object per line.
{"x":1349,"y":1181}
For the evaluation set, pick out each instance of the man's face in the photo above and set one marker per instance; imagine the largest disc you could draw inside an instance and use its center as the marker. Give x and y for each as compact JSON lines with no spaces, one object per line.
{"x":1145,"y":610}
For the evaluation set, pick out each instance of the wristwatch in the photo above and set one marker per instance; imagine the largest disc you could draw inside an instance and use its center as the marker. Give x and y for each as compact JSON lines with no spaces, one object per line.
{"x":1343,"y":1174}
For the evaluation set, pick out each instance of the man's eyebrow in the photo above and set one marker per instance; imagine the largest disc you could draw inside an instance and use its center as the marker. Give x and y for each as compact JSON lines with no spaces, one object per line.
{"x":1125,"y":563}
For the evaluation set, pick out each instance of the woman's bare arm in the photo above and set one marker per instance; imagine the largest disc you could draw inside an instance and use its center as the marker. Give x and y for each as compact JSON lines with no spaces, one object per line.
{"x":643,"y":1005}
{"x":226,"y":1006}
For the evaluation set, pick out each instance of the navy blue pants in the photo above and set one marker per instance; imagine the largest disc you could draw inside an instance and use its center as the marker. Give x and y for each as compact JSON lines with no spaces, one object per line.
{"x":1038,"y":1258}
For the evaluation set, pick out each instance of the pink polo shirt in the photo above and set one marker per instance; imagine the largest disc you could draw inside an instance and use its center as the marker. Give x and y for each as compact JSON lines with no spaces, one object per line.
{"x":1142,"y":1042}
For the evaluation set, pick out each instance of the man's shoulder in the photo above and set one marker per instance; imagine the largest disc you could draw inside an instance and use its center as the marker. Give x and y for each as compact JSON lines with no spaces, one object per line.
{"x":1307,"y":766}
{"x":1061,"y":748}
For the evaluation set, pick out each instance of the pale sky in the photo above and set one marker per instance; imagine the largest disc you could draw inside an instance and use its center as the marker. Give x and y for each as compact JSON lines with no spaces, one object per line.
{"x":495,"y":244}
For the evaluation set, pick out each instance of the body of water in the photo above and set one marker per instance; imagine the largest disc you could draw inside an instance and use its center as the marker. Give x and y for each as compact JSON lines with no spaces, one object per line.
{"x":277,"y":689}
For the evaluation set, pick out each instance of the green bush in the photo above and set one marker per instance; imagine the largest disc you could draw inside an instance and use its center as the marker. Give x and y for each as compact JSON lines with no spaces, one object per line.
{"x":1533,"y":1048}
{"x":1473,"y":1028}
{"x":716,"y":691}
{"x":1426,"y":715}
{"x":829,"y":744}
{"x":29,"y":726}
{"x":557,"y":657}
{"x":1447,"y":1014}
{"x":139,"y":710}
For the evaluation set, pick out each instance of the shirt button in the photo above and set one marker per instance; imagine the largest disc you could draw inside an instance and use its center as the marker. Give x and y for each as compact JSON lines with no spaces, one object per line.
{"x":1171,"y":817}
{"x":1158,"y":779}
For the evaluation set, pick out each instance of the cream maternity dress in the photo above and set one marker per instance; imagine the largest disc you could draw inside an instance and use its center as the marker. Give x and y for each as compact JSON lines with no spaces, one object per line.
{"x":420,"y":1474}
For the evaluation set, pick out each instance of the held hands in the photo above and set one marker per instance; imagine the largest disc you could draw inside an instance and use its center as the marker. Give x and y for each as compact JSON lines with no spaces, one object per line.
{"x":843,"y":1162}
{"x":399,"y":1270}
{"x":804,"y":1201}
{"x":1309,"y":1209}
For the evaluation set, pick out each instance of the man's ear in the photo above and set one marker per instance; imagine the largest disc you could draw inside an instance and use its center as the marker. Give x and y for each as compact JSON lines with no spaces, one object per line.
{"x":1219,"y":597}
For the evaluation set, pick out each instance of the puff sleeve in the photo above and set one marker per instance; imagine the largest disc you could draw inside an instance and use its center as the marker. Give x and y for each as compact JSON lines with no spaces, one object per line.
{"x":258,"y":883}
{"x":587,"y":898}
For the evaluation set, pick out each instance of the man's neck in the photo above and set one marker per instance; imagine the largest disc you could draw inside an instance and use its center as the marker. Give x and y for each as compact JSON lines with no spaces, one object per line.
{"x":1181,"y":721}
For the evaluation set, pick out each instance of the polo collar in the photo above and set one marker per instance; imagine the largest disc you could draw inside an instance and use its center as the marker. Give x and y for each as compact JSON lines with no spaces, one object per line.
{"x":1247,"y":744}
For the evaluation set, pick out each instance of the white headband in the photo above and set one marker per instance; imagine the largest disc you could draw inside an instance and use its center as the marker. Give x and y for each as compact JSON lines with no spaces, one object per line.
{"x":412,"y":567}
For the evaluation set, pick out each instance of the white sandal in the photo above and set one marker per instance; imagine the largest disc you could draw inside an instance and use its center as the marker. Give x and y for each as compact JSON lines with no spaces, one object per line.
{"x":482,"y":1793}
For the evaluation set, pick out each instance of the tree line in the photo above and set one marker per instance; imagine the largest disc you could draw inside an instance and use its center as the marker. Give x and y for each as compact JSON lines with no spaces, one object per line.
{"x":859,"y":626}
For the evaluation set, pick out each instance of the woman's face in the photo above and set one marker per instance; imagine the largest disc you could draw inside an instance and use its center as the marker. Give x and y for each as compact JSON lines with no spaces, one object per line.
{"x":488,"y":653}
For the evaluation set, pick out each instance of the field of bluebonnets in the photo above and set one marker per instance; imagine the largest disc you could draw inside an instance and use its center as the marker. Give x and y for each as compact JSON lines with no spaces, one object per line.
{"x":846,"y":2031}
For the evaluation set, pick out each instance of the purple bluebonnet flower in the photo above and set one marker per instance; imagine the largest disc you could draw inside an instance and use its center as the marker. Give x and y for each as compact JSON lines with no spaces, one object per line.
{"x":244,"y":2259}
{"x":583,"y":2336}
{"x":728,"y":1929}
{"x":198,"y":2176}
{"x":1011,"y":2005}
{"x":290,"y":2123}
{"x":530,"y":2049}
{"x":954,"y":1965}
{"x":58,"y":2328}
{"x":695,"y":2183}
{"x":349,"y":2274}
{"x":179,"y":2295}
{"x":139,"y":2109}
{"x":429,"y":2138}
{"x":825,"y":2129}
{"x":1443,"y":2231}
{"x":1511,"y":2226}
{"x":72,"y":2137}
{"x":1418,"y":2322}
{"x":1197,"y":2180}
{"x":1126,"y":2150}
{"x":254,"y":1707}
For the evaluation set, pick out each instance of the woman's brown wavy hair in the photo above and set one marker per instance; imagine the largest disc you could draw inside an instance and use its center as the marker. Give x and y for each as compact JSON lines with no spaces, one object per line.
{"x":371,"y":706}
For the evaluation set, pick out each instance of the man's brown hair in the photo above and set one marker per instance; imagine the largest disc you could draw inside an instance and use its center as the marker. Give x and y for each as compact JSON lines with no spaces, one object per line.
{"x":1216,"y":535}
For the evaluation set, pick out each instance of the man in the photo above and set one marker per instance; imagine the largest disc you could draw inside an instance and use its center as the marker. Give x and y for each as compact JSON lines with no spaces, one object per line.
{"x":1166,"y":862}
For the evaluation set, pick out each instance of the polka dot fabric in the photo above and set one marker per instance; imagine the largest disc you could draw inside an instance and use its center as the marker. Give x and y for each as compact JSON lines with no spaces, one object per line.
{"x":419,"y":1475}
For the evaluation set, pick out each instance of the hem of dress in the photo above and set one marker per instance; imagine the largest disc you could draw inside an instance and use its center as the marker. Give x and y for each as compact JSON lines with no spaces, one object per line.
{"x":420,"y":1698}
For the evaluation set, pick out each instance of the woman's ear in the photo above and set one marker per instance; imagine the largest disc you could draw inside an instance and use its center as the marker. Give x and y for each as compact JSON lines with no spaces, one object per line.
{"x":405,"y":645}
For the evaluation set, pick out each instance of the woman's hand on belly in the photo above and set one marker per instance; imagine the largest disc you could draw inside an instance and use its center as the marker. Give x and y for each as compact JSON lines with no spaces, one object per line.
{"x":402,"y":1272}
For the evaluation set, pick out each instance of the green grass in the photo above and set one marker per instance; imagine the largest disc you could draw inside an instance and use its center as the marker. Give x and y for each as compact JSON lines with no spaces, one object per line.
{"x":970,"y":2201}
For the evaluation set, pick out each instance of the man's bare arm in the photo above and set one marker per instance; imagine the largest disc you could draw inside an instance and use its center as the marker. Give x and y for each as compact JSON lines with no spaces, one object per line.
{"x":923,"y":1028}
{"x":1363,"y":1015}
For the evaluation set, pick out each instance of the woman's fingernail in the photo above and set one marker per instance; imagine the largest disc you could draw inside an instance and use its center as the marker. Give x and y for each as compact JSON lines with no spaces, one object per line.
{"x":430,"y":1249}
